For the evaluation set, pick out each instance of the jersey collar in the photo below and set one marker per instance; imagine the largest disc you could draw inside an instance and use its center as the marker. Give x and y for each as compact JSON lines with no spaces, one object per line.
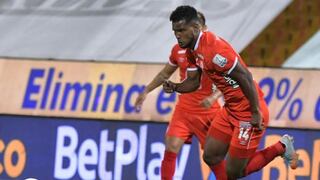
{"x":198,"y":41}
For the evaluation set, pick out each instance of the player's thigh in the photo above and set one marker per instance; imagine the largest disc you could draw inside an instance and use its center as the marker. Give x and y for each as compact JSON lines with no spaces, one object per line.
{"x":246,"y":139}
{"x":220,"y":128}
{"x":177,"y":132}
{"x":214,"y":150}
{"x":244,"y":143}
{"x":218,"y":138}
{"x":199,"y":125}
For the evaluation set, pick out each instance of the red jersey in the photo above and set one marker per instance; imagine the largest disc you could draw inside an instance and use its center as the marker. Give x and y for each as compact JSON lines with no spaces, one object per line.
{"x":191,"y":101}
{"x":217,"y":59}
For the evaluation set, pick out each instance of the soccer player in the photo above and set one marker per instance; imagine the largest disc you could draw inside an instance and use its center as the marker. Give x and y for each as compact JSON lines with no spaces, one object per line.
{"x":193,"y":112}
{"x":238,"y":127}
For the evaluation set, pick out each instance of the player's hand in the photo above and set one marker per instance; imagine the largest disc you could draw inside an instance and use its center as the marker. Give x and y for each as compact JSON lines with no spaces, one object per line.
{"x":168,"y":86}
{"x":206,"y":103}
{"x":256,"y":121}
{"x":139,"y":101}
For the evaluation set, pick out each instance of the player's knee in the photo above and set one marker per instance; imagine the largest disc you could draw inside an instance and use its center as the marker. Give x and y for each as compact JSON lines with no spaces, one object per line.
{"x":173,"y":146}
{"x":211,"y":159}
{"x":207,"y":158}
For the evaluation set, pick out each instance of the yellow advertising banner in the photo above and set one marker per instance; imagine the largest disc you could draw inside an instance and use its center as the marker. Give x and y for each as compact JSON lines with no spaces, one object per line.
{"x":108,"y":91}
{"x":292,"y":95}
{"x":80,"y":89}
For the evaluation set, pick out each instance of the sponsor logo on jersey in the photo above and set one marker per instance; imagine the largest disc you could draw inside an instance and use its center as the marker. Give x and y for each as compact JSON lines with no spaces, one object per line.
{"x":214,"y":88}
{"x":231,"y":82}
{"x":219,"y":60}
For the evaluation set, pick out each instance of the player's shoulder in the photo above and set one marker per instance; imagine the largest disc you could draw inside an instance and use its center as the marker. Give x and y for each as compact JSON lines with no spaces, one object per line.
{"x":209,"y":40}
{"x":209,"y":36}
{"x":219,"y":44}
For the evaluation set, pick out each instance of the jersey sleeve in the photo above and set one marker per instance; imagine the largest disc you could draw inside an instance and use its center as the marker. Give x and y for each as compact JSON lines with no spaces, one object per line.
{"x":192,"y":65}
{"x":225,"y":61}
{"x":173,"y":57}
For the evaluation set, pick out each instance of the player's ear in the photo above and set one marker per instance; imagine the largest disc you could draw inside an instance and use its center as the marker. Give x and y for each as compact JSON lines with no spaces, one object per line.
{"x":196,"y":27}
{"x":204,"y":27}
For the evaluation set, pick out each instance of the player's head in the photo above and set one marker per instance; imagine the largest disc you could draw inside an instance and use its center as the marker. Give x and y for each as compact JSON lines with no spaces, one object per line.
{"x":202,"y":21}
{"x":186,"y":25}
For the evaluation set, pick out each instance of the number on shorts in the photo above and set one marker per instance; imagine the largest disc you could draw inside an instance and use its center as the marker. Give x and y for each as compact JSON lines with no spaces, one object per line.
{"x":244,"y":133}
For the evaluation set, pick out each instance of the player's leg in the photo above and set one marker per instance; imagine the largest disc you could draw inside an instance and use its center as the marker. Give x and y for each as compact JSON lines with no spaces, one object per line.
{"x":242,"y":152}
{"x":241,"y":162}
{"x":261,"y":158}
{"x":173,"y":144}
{"x":217,"y":144}
{"x":168,"y":165}
{"x":200,"y":125}
{"x":200,"y":130}
{"x":215,"y":151}
{"x":177,"y":134}
{"x":243,"y":159}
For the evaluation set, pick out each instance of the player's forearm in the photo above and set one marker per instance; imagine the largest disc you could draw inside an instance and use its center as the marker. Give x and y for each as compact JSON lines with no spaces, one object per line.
{"x":216,"y":95}
{"x":157,"y":81}
{"x":187,"y":86}
{"x":249,"y":90}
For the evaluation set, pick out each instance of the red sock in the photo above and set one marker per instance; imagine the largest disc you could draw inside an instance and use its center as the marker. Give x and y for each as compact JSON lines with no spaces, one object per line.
{"x":219,"y":170}
{"x":263,"y":157}
{"x":168,"y":165}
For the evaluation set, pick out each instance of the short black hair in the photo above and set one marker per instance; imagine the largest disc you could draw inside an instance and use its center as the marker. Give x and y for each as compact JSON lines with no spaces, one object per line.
{"x":202,"y":19}
{"x":187,"y":13}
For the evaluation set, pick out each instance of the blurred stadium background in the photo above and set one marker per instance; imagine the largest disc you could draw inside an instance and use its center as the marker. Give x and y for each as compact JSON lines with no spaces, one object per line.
{"x":70,"y":71}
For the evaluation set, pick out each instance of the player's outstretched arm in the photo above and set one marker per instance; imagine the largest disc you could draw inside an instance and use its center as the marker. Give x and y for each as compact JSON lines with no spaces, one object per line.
{"x":208,"y":101}
{"x":190,"y":84}
{"x":162,"y":76}
{"x":245,"y":80}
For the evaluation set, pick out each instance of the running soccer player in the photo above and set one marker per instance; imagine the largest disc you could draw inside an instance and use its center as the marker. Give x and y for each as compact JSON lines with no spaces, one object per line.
{"x":239,"y":126}
{"x":193,"y":112}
